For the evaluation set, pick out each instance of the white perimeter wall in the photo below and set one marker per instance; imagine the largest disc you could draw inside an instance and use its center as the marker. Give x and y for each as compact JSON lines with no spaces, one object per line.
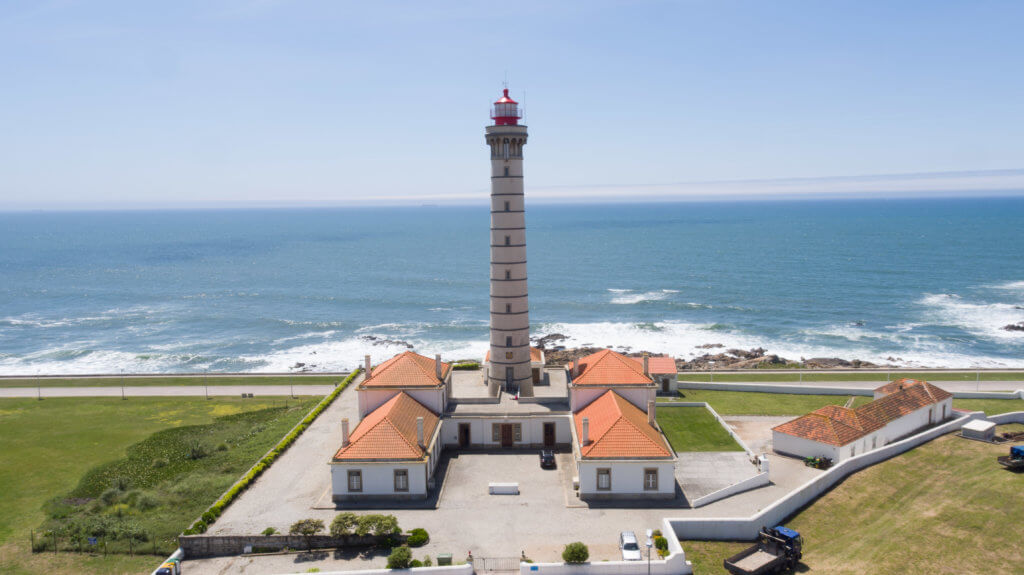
{"x":581,"y":396}
{"x":371,"y":399}
{"x":627,"y":477}
{"x":445,"y":570}
{"x":480,"y":429}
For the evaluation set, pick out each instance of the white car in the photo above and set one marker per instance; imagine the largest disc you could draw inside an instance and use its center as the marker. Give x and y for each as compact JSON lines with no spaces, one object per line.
{"x":629,"y":546}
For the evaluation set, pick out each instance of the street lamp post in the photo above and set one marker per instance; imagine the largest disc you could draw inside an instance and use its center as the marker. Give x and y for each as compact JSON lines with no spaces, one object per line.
{"x":122,"y":384}
{"x":39,"y":387}
{"x":650,"y":544}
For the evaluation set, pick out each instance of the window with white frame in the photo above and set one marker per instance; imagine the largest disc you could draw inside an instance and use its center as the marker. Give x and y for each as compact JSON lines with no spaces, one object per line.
{"x":355,"y":480}
{"x":604,"y":479}
{"x":401,"y":480}
{"x":651,"y":479}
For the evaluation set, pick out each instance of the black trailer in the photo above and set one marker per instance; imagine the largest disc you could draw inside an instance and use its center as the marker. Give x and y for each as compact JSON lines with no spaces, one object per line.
{"x":778,"y":549}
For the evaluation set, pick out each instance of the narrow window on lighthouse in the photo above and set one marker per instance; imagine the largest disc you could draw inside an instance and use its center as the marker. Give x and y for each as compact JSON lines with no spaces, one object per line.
{"x":506,"y":149}
{"x":508,"y":274}
{"x":508,"y":341}
{"x":506,"y":203}
{"x":508,"y":240}
{"x":506,"y":170}
{"x":508,"y":308}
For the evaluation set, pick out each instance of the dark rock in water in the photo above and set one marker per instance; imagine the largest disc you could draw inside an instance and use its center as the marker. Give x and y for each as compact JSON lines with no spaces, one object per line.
{"x":709,"y":346}
{"x":1019,"y":326}
{"x":857,"y":323}
{"x":383,"y":341}
{"x":542,"y":342}
{"x":298,"y":365}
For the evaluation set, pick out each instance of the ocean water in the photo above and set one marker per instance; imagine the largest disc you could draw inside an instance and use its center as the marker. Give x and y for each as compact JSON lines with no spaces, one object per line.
{"x":925,"y":282}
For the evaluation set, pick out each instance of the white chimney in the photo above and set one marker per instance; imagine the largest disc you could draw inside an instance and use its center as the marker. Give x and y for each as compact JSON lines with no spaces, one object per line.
{"x":647,"y":368}
{"x":419,"y":431}
{"x":651,"y":415}
{"x":437,"y":366}
{"x":578,"y":367}
{"x":585,"y":435}
{"x":369,"y":367}
{"x":344,"y":432}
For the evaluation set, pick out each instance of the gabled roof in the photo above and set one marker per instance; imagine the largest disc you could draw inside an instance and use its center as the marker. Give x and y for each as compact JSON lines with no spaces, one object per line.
{"x":837,"y":425}
{"x":536,"y":355}
{"x":407,"y":369}
{"x":657,"y":364}
{"x":389,"y":432}
{"x":619,"y":429}
{"x":609,"y":368}
{"x":938,"y":394}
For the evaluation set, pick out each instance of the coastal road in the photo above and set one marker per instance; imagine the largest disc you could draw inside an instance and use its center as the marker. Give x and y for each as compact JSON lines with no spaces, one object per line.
{"x":952,"y":386}
{"x":166,"y":391}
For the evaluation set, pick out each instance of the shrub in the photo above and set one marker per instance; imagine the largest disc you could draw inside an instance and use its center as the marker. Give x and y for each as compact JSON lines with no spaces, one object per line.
{"x":269,"y":531}
{"x":222,"y":446}
{"x":307,"y":528}
{"x":466,"y":365}
{"x":199,"y":527}
{"x":418,"y":537}
{"x":159,"y":462}
{"x":343,"y":524}
{"x":415,"y":563}
{"x":377,"y":524}
{"x":209,"y":517}
{"x":660,"y":542}
{"x":400,"y":558}
{"x":146,"y":501}
{"x":427,"y":562}
{"x":196,"y":450}
{"x":575,"y":552}
{"x":119,"y":483}
{"x":110,"y":496}
{"x":656,"y":533}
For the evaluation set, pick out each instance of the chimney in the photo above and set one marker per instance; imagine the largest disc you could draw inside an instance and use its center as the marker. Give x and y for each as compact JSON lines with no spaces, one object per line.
{"x":651,"y":415}
{"x":437,"y":366}
{"x":585,"y":435}
{"x":344,"y":432}
{"x":419,"y":432}
{"x":578,"y":366}
{"x":647,"y":369}
{"x":369,"y":369}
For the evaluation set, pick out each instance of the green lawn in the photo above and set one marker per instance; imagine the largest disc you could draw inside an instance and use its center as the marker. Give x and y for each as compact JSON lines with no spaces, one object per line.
{"x":990,"y":406}
{"x":759,"y":403}
{"x":815,"y":375}
{"x":694,"y":429}
{"x":50,"y":445}
{"x":944,"y":507}
{"x":297,"y":379}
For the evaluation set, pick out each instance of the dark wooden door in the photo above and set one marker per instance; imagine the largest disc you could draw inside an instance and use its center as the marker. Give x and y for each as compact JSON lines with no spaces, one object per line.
{"x":549,"y":435}
{"x":463,"y":435}
{"x":506,"y":435}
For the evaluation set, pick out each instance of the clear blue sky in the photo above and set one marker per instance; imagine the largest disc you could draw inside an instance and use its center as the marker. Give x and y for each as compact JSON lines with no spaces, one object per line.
{"x":263,"y":102}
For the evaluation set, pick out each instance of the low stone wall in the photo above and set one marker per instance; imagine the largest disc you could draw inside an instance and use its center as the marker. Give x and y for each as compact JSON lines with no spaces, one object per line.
{"x":802,"y":389}
{"x":759,"y":480}
{"x":746,"y":528}
{"x":1004,"y":418}
{"x":444,"y":570}
{"x":198,"y":546}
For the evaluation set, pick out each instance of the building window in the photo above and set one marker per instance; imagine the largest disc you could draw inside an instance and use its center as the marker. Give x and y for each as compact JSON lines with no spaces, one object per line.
{"x":874,"y":442}
{"x":604,"y":479}
{"x":508,"y":341}
{"x":495,"y":432}
{"x":355,"y":480}
{"x":853,"y":450}
{"x":517,"y":432}
{"x":508,"y":240}
{"x":508,"y":274}
{"x":506,"y":174}
{"x":507,"y":206}
{"x":401,"y":480}
{"x":508,"y":308}
{"x":943,"y":411}
{"x":651,"y":479}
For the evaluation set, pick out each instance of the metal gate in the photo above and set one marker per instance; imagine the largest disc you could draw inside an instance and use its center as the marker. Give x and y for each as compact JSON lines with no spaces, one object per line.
{"x":496,"y":564}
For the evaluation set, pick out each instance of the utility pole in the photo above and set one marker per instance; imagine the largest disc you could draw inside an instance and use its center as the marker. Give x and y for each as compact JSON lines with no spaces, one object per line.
{"x":206,"y":383}
{"x":122,"y":384}
{"x":39,"y":387}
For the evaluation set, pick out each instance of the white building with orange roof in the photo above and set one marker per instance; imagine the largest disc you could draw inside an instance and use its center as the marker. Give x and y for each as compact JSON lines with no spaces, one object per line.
{"x":426,"y":380}
{"x":590,"y":376}
{"x":536,"y":363}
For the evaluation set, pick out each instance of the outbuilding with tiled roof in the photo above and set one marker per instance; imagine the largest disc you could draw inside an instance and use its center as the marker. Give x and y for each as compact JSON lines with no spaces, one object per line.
{"x":426,"y":380}
{"x":591,"y":376}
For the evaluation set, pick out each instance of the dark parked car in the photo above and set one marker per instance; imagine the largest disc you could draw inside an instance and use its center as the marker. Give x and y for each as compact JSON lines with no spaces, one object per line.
{"x":547,"y":459}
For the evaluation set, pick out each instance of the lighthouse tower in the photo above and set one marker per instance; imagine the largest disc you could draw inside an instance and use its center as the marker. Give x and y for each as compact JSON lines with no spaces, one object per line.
{"x":510,"y":316}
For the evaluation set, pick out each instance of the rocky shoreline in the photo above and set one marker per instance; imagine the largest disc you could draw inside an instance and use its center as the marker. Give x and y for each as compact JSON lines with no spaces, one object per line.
{"x":757,"y":358}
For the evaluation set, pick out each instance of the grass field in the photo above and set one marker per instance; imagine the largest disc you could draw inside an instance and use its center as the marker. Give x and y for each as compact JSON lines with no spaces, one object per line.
{"x":50,"y":445}
{"x":815,"y":375}
{"x":297,"y":379}
{"x":941,"y":508}
{"x":694,"y":429}
{"x":757,"y":403}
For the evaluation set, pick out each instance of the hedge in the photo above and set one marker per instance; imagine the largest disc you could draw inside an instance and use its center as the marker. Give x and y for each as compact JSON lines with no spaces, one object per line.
{"x":466,"y":365}
{"x":215,"y":510}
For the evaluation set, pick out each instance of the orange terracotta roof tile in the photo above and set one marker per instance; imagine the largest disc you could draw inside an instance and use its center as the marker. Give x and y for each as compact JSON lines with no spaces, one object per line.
{"x":851,"y":417}
{"x":657,"y":364}
{"x":900,"y":403}
{"x":389,"y":432}
{"x":619,"y":429}
{"x":820,"y":428}
{"x":408,"y":369}
{"x":609,"y":368}
{"x":935,"y":392}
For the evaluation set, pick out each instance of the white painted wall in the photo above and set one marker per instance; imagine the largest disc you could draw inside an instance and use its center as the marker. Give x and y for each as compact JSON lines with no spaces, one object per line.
{"x":798,"y":446}
{"x":371,"y":399}
{"x":581,"y":396}
{"x":444,"y":570}
{"x":379,"y":479}
{"x":532,"y":429}
{"x":627,"y":477}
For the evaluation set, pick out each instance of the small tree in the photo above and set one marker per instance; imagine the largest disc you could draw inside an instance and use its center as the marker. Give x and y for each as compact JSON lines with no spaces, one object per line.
{"x":307,"y":528}
{"x":575,"y":552}
{"x":343,"y":524}
{"x":132,"y":533}
{"x":400,"y":558}
{"x":377,"y":524}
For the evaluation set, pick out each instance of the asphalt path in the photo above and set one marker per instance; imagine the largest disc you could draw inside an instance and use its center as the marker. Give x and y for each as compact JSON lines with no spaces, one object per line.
{"x":947,"y":385}
{"x":167,"y":391}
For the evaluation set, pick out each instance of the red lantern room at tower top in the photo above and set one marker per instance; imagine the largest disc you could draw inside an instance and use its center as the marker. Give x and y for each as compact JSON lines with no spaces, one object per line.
{"x":506,"y":111}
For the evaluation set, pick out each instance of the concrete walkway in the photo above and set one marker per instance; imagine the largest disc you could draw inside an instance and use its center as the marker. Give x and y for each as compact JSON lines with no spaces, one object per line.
{"x":166,"y":391}
{"x":951,"y":386}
